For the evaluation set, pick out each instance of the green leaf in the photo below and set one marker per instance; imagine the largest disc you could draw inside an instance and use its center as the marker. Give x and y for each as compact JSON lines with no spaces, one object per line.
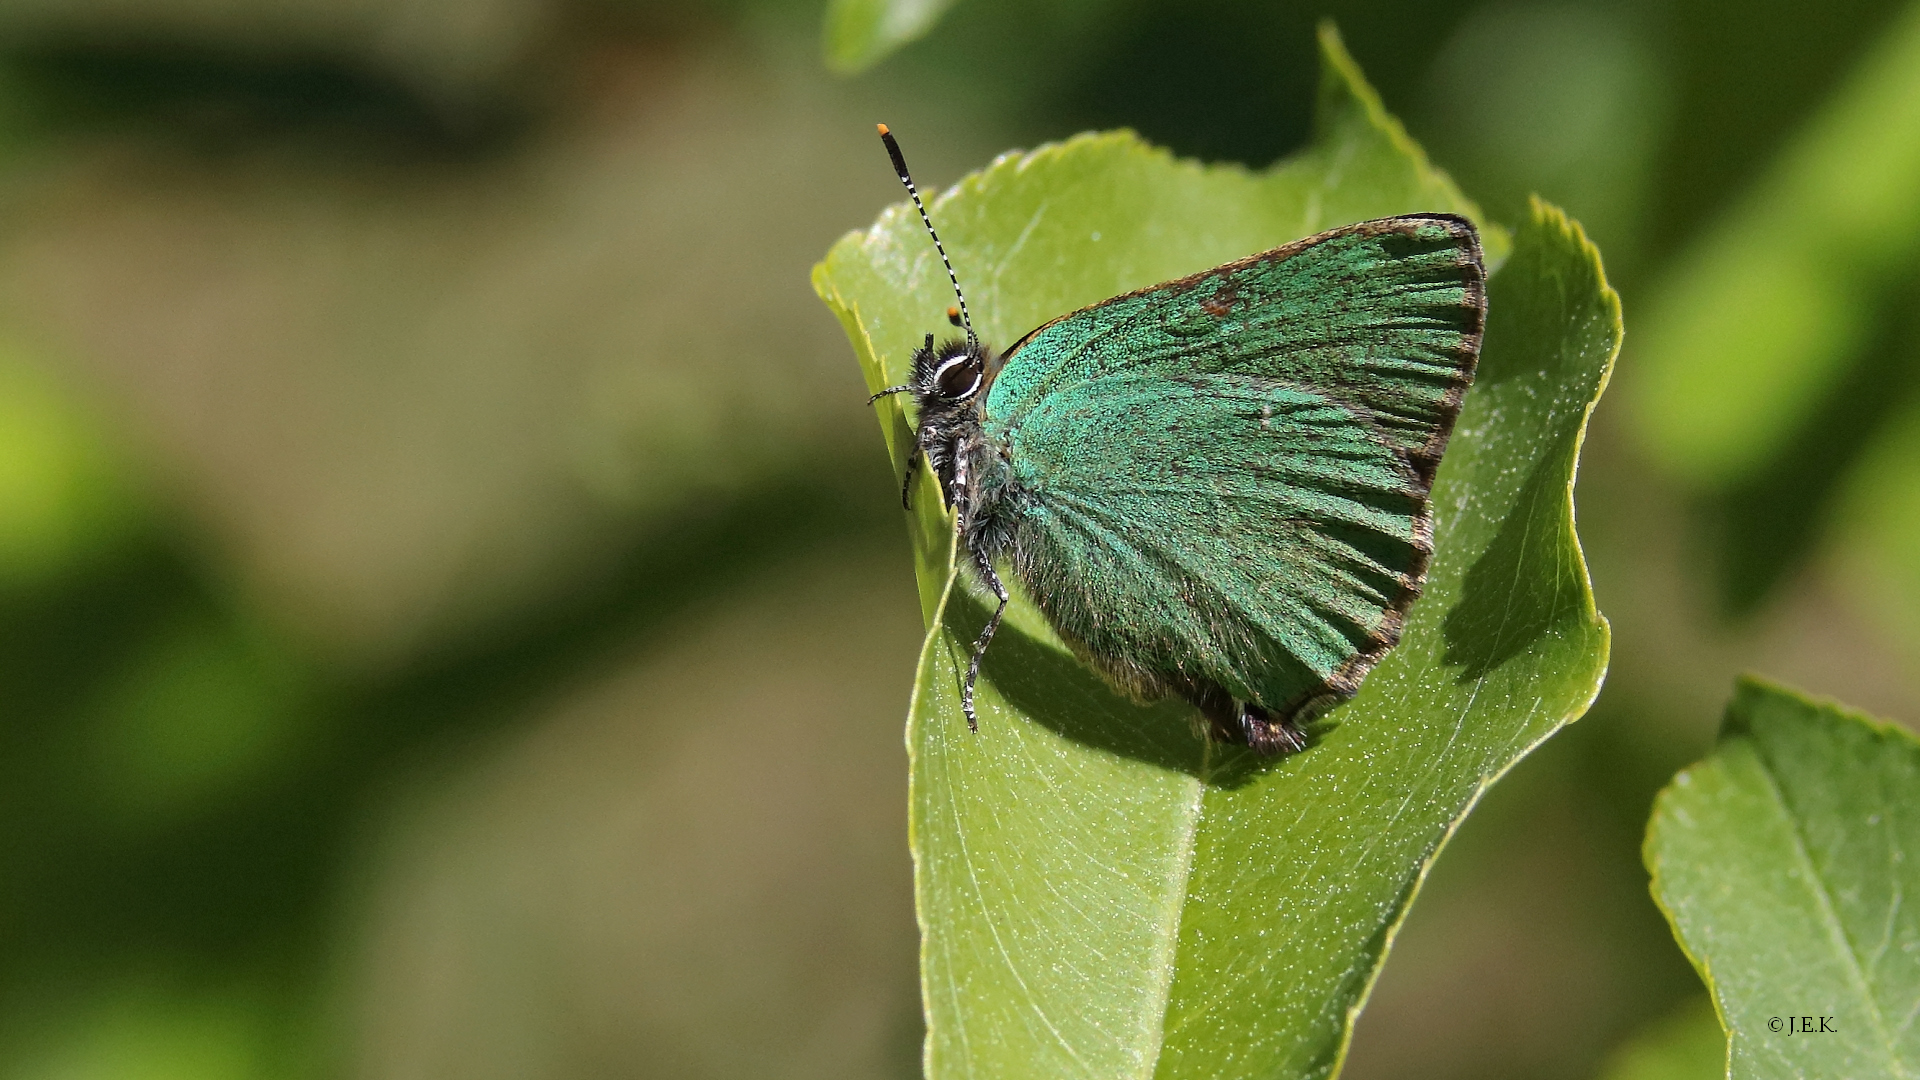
{"x":1784,"y":862}
{"x":1100,"y":893}
{"x":860,"y":33}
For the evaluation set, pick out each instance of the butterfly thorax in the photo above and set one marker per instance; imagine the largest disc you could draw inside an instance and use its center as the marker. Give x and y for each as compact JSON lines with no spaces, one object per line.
{"x":949,"y":383}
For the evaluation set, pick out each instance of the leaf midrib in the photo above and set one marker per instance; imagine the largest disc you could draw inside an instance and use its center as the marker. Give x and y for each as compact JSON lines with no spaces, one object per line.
{"x":1166,"y":957}
{"x":1166,"y":953}
{"x":1829,"y":916}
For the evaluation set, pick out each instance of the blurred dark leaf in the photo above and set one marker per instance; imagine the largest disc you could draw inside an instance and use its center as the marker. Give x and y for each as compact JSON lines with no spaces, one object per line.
{"x":221,"y":99}
{"x":1763,"y":526}
{"x":459,"y":53}
{"x":1770,"y":309}
{"x":1879,"y":516}
{"x":1774,"y":349}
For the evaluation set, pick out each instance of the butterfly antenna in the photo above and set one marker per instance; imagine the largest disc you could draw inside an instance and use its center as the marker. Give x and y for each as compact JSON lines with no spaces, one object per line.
{"x":900,"y":166}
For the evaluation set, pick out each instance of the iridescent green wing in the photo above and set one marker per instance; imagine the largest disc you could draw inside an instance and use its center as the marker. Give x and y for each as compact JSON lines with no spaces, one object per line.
{"x":1224,"y":479}
{"x":1383,"y":315}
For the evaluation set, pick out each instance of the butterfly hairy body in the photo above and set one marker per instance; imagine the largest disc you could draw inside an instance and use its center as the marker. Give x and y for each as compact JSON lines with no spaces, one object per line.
{"x":1219,"y":487}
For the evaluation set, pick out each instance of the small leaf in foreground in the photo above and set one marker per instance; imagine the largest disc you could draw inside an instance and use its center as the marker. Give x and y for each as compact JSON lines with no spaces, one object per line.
{"x":1785,"y":861}
{"x":1101,"y":894}
{"x":860,"y":33}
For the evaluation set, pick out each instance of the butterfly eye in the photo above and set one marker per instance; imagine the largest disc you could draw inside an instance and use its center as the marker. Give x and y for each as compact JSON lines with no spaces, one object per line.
{"x":958,"y":377}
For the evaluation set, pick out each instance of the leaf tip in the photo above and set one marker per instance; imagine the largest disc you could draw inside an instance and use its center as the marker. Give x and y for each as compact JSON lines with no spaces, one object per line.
{"x":1755,"y":697}
{"x":1343,"y":86}
{"x":1348,"y":102}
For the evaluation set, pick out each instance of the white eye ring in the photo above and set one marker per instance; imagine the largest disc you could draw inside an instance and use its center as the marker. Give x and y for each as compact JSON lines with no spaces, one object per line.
{"x":940,"y":373}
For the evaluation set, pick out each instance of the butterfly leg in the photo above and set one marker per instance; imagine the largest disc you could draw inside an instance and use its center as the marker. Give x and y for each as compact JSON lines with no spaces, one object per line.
{"x":1269,"y":734}
{"x":906,"y":485}
{"x":1243,"y":722}
{"x":980,"y":646}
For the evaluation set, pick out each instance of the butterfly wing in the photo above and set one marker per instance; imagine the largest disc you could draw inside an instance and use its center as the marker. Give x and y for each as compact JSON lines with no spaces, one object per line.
{"x":1384,"y":315}
{"x":1223,"y":481}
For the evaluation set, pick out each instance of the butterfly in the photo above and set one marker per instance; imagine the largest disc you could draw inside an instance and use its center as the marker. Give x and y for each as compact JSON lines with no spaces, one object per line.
{"x":1217,"y":487}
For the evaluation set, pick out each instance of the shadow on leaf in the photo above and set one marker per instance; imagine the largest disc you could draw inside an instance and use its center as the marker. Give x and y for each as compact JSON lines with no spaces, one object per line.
{"x":1055,"y":689}
{"x":1504,"y":607}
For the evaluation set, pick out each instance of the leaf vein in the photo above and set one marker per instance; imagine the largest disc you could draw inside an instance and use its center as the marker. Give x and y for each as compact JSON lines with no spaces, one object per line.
{"x":1831,"y":919}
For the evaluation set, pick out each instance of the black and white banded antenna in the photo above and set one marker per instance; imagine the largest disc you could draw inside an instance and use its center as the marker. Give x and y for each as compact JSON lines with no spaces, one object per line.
{"x":900,"y":166}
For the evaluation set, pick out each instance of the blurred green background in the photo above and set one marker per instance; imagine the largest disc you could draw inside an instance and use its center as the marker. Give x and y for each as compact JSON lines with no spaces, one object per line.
{"x":455,"y":619}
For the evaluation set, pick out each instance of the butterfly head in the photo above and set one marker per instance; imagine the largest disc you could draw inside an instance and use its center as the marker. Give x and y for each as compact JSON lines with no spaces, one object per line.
{"x":952,"y":373}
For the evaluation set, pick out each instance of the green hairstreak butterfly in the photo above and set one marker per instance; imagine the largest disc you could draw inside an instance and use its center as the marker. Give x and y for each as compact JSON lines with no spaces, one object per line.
{"x":1216,"y":487}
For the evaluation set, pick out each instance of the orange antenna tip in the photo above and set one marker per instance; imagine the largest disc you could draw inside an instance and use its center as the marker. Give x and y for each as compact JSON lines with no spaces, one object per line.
{"x":882,"y":127}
